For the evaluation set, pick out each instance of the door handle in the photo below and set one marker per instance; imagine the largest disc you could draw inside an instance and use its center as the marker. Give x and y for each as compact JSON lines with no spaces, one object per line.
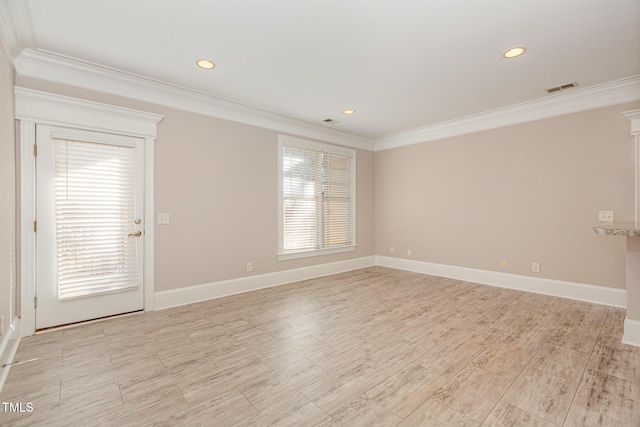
{"x":136,"y":234}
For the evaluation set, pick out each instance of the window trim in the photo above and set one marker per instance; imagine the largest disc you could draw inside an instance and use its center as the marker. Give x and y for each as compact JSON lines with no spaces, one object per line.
{"x":317,"y":146}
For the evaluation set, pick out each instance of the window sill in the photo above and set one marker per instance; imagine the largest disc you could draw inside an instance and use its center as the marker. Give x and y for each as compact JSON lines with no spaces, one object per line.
{"x":283,"y":256}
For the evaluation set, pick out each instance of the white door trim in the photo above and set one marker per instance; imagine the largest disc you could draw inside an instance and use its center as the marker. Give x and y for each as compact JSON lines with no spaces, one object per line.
{"x":34,"y":107}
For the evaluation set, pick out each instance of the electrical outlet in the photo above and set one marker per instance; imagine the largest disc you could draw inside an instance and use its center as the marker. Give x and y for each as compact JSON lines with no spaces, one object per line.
{"x":249,"y":267}
{"x":409,"y":252}
{"x":392,"y":250}
{"x":535,"y":267}
{"x":605,"y":216}
{"x":503,"y":263}
{"x":164,"y":218}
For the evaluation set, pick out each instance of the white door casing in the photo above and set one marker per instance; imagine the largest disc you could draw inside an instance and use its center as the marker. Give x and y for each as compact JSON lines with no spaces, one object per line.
{"x":41,"y":108}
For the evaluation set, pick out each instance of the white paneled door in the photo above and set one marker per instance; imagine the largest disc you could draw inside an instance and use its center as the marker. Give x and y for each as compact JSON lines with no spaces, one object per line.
{"x":90,"y":230}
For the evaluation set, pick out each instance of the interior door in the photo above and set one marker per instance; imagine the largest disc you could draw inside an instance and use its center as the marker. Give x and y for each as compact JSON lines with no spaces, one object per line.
{"x":89,"y":238}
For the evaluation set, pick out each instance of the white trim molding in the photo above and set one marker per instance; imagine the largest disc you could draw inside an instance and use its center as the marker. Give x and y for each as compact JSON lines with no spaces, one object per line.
{"x":632,"y":327}
{"x":86,"y":75}
{"x":8,"y":347}
{"x":148,"y":272}
{"x":631,"y":332}
{"x":70,"y":71}
{"x":15,"y":27}
{"x":40,"y":108}
{"x":576,"y":291}
{"x":589,"y":98}
{"x":634,"y":117}
{"x":27,"y":196}
{"x":58,"y":110}
{"x":207,"y":291}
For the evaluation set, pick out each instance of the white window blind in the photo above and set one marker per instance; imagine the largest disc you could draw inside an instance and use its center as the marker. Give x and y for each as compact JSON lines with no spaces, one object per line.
{"x":94,"y":214}
{"x":317,"y":197}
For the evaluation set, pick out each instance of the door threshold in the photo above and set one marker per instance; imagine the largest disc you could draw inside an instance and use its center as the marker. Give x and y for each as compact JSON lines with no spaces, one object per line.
{"x":86,"y":322}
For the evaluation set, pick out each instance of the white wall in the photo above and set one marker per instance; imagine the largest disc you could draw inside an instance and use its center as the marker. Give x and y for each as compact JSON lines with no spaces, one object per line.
{"x":524,"y":193}
{"x":218,"y":181}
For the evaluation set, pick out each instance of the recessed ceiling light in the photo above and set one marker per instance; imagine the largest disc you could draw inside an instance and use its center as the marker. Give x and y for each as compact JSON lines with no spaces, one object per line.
{"x":349,"y":111}
{"x":514,"y":52}
{"x":205,"y":63}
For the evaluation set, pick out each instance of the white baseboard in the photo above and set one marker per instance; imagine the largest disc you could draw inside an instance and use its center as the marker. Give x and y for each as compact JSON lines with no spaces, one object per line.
{"x":631,"y":332}
{"x":577,"y":291}
{"x":8,"y":348}
{"x":207,"y":291}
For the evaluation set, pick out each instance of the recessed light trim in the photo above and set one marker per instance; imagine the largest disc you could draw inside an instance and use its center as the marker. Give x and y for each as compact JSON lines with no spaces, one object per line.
{"x":349,"y":111}
{"x":205,"y":63}
{"x":514,"y":52}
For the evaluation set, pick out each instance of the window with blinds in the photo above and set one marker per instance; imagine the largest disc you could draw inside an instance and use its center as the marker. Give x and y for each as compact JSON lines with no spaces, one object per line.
{"x":317,"y":209}
{"x":94,"y":214}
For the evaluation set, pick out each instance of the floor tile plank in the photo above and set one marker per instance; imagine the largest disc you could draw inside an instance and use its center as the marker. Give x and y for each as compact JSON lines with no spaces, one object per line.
{"x":370,"y":347}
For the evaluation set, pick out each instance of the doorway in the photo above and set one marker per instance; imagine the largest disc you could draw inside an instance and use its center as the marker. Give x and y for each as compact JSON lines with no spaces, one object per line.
{"x":66,"y":125}
{"x":89,"y":205}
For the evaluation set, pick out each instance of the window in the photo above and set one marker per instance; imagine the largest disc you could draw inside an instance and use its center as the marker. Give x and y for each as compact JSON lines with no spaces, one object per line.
{"x":316,"y":198}
{"x":94,"y":212}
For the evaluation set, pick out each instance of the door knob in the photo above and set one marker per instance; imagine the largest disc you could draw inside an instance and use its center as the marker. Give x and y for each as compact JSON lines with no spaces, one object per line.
{"x":136,"y":234}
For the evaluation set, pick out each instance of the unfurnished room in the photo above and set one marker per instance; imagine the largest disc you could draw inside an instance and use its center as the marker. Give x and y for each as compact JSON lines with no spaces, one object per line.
{"x":321,"y":212}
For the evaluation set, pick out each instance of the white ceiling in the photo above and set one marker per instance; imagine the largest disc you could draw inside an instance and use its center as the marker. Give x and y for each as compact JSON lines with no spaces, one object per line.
{"x":401,"y":64}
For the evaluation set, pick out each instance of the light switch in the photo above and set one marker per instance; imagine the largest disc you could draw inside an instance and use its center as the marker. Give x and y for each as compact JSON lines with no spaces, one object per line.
{"x":163,"y":218}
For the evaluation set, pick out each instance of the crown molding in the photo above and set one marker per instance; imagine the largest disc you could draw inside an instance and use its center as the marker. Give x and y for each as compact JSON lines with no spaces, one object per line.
{"x":59,"y":69}
{"x":15,"y":27}
{"x":8,"y":37}
{"x":603,"y":95}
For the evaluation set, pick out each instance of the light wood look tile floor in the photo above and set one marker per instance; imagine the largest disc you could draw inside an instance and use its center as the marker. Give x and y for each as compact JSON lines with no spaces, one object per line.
{"x":371,"y":347}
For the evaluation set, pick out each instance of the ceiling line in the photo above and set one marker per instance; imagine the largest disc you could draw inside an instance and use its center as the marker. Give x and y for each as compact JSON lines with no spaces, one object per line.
{"x":59,"y":69}
{"x":589,"y":98}
{"x":51,"y":67}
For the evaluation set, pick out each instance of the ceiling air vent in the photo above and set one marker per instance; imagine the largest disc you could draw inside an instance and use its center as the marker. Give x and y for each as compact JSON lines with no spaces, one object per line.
{"x":563,"y":87}
{"x":331,"y":121}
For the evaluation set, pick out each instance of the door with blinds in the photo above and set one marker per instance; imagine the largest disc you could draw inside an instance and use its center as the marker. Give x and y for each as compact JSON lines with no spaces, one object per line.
{"x":89,"y":237}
